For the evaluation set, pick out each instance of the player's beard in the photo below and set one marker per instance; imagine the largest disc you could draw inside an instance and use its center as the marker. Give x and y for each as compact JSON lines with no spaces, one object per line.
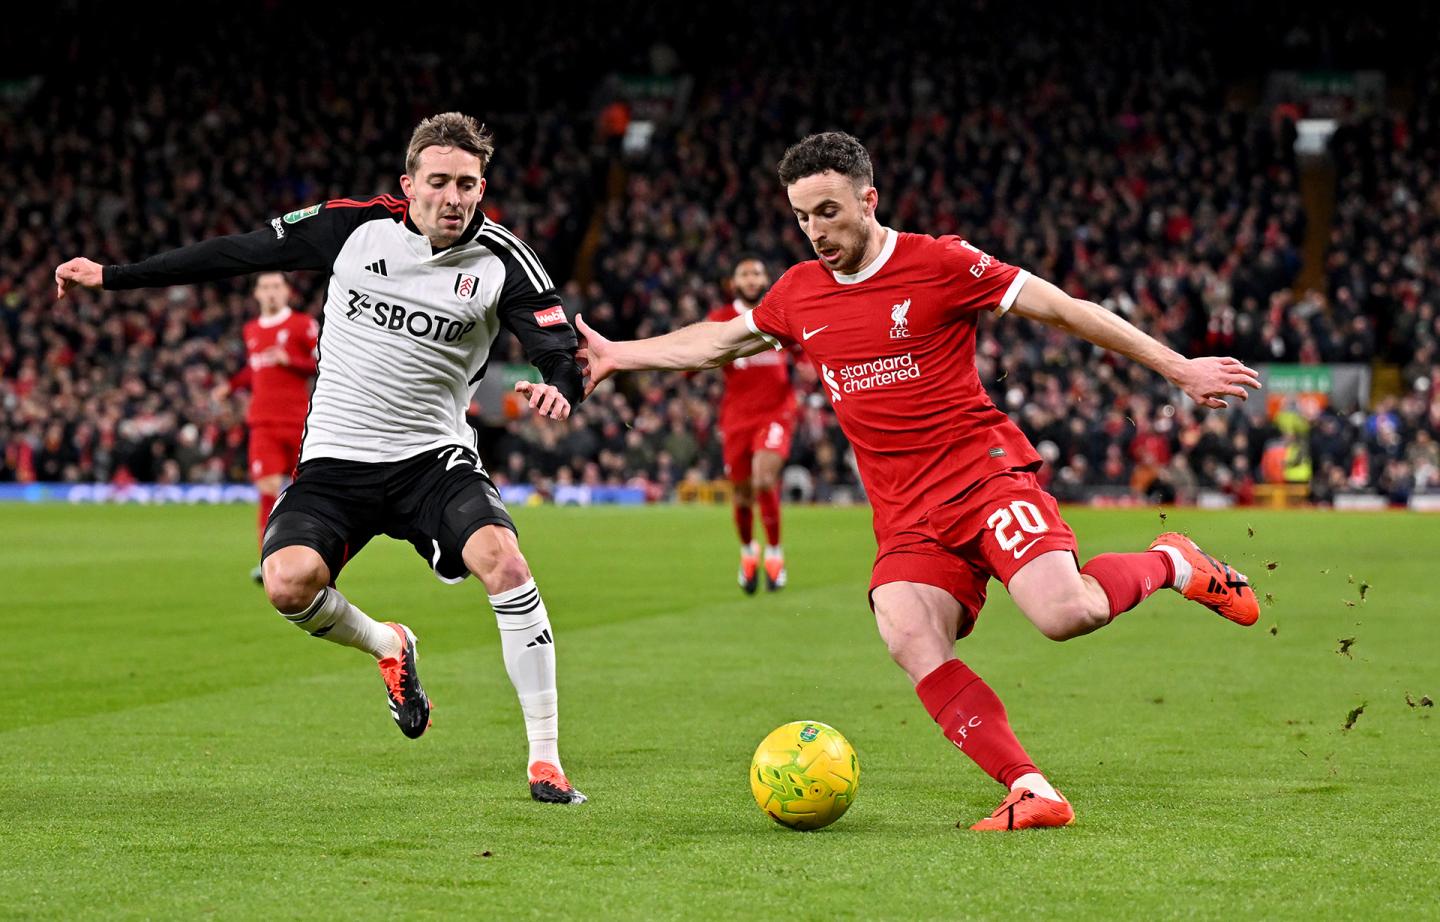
{"x":852,"y":251}
{"x":759,"y":295}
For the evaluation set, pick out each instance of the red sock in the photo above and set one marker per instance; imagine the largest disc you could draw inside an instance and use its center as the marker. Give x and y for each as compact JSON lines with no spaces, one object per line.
{"x":1129,"y":579}
{"x":770,"y":514}
{"x":972,"y":717}
{"x":267,"y":502}
{"x":745,"y":522}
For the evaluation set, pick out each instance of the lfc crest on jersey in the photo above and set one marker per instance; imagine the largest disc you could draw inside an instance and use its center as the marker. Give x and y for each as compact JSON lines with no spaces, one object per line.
{"x":899,"y":315}
{"x":466,"y":286}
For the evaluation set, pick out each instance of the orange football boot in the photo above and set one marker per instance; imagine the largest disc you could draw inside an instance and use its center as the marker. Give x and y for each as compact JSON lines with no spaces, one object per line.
{"x":1022,"y":808}
{"x":549,"y":785}
{"x":774,"y":570}
{"x":1213,"y":583}
{"x":749,"y":568}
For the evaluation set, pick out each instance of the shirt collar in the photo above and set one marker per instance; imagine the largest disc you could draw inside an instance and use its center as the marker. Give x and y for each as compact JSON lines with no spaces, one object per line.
{"x":476,"y":223}
{"x":276,"y":320}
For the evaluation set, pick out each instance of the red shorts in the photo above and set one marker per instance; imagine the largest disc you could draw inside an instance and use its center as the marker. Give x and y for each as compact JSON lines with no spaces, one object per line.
{"x":993,"y":529}
{"x":741,"y":443}
{"x":274,"y":450}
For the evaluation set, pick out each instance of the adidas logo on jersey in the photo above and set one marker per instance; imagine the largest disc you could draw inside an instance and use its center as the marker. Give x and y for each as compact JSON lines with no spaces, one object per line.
{"x":377,"y":267}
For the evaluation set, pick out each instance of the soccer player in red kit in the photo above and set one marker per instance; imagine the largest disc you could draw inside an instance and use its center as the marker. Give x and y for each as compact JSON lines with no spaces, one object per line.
{"x":279,"y":363}
{"x":757,"y":418}
{"x":889,"y":318}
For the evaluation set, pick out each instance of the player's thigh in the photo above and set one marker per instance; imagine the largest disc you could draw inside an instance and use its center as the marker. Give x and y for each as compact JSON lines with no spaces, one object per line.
{"x":326,"y":509}
{"x":918,"y":623}
{"x":925,"y":598}
{"x":739,"y":456}
{"x":459,"y":524}
{"x":765,"y":469}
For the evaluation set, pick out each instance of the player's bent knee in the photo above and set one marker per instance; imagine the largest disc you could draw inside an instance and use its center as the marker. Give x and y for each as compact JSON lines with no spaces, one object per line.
{"x":293,"y":578}
{"x":509,"y":571}
{"x":1070,"y":618}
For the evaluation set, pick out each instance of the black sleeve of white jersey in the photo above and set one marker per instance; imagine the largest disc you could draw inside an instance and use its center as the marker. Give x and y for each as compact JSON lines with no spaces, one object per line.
{"x":309,"y":238}
{"x":531,"y":310}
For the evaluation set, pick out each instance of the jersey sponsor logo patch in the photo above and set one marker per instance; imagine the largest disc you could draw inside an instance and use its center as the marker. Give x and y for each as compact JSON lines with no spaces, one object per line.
{"x":863,"y":376}
{"x":301,"y":214}
{"x":831,"y":382}
{"x":551,"y":316}
{"x":983,"y":260}
{"x":466,"y":286}
{"x":279,"y":228}
{"x":401,"y":319}
{"x":900,"y":328}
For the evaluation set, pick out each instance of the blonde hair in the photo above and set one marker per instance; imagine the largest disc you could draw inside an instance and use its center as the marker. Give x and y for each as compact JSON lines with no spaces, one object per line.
{"x":450,"y":129}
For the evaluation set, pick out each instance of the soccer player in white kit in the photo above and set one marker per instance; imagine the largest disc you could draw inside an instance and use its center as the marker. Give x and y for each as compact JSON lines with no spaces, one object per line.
{"x":419,"y":288}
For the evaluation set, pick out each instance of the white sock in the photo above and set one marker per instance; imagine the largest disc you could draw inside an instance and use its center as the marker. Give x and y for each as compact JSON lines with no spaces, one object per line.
{"x":750,"y":550}
{"x":1182,"y":567}
{"x":1038,"y":785}
{"x":528,"y":646}
{"x":772,"y":550}
{"x":332,"y":617}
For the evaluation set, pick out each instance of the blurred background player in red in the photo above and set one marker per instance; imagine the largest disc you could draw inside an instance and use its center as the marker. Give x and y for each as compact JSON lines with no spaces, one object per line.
{"x":279,"y":363}
{"x":757,"y":418}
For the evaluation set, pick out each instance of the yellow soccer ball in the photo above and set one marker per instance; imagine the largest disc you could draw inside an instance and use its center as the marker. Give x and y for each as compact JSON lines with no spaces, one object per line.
{"x":804,"y":775}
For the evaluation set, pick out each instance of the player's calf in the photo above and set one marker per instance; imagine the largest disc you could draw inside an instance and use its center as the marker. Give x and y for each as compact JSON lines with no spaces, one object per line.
{"x":527,"y":644}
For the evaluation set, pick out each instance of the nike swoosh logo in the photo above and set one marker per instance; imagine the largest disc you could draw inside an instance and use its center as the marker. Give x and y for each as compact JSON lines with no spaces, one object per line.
{"x":1020,"y":552}
{"x":806,"y":334}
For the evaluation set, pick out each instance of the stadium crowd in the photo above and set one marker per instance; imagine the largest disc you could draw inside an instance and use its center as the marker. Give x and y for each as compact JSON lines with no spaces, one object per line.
{"x":1141,"y":184}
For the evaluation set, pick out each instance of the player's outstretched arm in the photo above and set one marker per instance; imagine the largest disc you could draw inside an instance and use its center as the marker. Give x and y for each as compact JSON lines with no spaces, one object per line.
{"x":311,"y":245}
{"x":700,"y":345}
{"x":1207,"y":380}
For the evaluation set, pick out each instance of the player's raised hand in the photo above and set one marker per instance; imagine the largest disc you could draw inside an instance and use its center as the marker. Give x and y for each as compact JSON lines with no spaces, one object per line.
{"x":1210,"y":379}
{"x":594,"y":356}
{"x":76,"y":273}
{"x":545,"y":399}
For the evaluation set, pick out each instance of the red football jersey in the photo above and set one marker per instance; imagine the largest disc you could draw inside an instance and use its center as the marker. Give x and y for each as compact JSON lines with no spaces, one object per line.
{"x":757,"y":387}
{"x":279,"y":393}
{"x":895,"y":346}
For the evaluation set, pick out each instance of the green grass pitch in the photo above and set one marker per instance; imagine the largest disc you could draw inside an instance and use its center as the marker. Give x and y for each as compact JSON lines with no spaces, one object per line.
{"x":173,"y":749}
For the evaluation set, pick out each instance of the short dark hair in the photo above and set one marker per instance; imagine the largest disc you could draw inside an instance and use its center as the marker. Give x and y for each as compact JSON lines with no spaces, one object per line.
{"x":828,"y":150}
{"x":744,"y":258}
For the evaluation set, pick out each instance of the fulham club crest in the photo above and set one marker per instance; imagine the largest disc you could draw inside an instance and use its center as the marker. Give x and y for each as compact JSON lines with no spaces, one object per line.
{"x":465,"y":286}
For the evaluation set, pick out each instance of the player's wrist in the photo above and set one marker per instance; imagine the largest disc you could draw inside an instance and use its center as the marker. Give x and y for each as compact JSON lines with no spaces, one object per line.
{"x":1172,"y":367}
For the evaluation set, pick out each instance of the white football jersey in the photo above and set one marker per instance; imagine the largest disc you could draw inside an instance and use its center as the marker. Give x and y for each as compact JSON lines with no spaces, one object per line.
{"x":407,"y":331}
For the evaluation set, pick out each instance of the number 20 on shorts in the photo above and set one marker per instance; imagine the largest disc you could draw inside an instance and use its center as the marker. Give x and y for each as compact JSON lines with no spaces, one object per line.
{"x":1021,"y":513}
